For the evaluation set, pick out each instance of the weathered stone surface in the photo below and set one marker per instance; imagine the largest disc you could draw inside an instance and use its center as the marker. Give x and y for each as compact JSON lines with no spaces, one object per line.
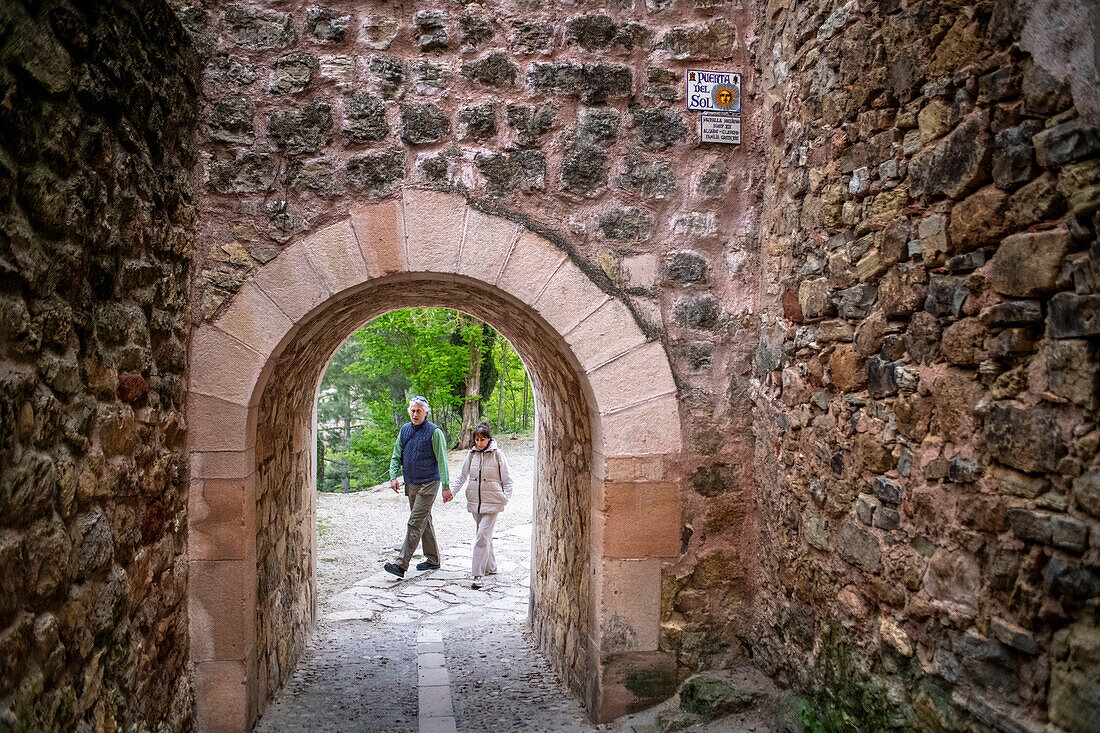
{"x":654,"y":179}
{"x":258,"y":30}
{"x":302,"y":131}
{"x":1073,"y":316}
{"x":590,"y":32}
{"x":626,"y":224}
{"x":1086,"y":492}
{"x":979,"y":219}
{"x":531,"y":123}
{"x":326,"y":25}
{"x":376,"y":173}
{"x":1065,"y":143}
{"x":365,"y":119}
{"x":955,"y":164}
{"x":293,"y":72}
{"x":1074,"y":701}
{"x":423,"y":123}
{"x":713,"y":698}
{"x":388,"y":72}
{"x":379,"y":31}
{"x":657,"y":129}
{"x":714,"y":40}
{"x":1027,"y":439}
{"x":859,"y":547}
{"x":532,"y":37}
{"x":685,"y":266}
{"x":1028,"y":264}
{"x":962,"y":342}
{"x":431,"y":30}
{"x":946,"y":295}
{"x":479,"y":122}
{"x":1011,"y":313}
{"x":1072,"y":371}
{"x":598,"y":126}
{"x":475,"y":28}
{"x":584,"y":171}
{"x":699,"y":311}
{"x":1013,"y":161}
{"x":231,"y":120}
{"x":1080,"y":184}
{"x":495,"y":70}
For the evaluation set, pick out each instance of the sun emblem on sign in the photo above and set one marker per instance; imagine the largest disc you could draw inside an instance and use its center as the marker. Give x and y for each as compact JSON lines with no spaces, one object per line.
{"x":725,"y":98}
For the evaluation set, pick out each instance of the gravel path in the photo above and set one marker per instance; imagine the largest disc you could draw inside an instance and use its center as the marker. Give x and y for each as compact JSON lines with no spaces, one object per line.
{"x":359,"y":531}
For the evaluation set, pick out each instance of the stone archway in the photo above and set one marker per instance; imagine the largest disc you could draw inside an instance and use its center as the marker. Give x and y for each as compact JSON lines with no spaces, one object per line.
{"x":607,"y":514}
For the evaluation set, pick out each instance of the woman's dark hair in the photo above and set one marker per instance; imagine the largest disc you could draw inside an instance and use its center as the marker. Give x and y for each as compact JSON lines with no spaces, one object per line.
{"x":483,"y":429}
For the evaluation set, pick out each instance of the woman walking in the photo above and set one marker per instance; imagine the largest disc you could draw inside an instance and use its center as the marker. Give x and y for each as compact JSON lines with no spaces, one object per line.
{"x":487,"y":493}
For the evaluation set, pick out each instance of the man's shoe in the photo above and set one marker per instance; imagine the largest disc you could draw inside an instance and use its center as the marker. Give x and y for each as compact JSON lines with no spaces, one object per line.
{"x":395,"y":569}
{"x":427,"y":565}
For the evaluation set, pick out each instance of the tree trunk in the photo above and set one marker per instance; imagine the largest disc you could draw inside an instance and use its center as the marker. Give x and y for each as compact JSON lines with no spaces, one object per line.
{"x":345,"y":485}
{"x":526,"y":390}
{"x":503,"y":382}
{"x":471,"y":413}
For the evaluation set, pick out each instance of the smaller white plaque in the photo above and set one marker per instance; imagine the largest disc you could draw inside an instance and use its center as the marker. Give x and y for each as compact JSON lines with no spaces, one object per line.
{"x":718,"y":127}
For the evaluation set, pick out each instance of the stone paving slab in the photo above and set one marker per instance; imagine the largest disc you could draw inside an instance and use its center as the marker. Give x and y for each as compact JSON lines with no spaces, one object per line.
{"x":435,"y":654}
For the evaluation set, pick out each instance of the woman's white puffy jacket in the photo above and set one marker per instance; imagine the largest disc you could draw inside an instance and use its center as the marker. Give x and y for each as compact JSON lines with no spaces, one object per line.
{"x":490,"y":485}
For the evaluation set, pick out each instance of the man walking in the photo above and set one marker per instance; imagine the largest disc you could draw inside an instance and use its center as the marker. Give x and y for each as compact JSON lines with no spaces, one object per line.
{"x":420,"y":453}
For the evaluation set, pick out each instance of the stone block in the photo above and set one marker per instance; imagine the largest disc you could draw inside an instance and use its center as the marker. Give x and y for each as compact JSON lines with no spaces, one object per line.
{"x":640,"y":519}
{"x":1072,"y":371}
{"x":1074,"y":699}
{"x":380,"y":232}
{"x":629,"y":608}
{"x":1086,"y":492}
{"x":222,"y":609}
{"x":703,"y":312}
{"x":222,"y":464}
{"x":379,"y":32}
{"x":222,"y":696}
{"x":221,"y":519}
{"x":568,"y":298}
{"x":335,"y":254}
{"x":305,"y":130}
{"x":1028,"y":264}
{"x":376,"y":174}
{"x":258,"y":30}
{"x":1073,"y":316}
{"x":1066,"y":142}
{"x":1080,"y":184}
{"x":254,"y":319}
{"x":616,"y":384}
{"x":1029,"y":439}
{"x":292,"y":283}
{"x":633,"y":681}
{"x":859,"y":547}
{"x":486,"y":245}
{"x":217,"y":425}
{"x":608,"y":332}
{"x":434,"y":224}
{"x":423,"y":123}
{"x":979,"y":219}
{"x":495,"y":70}
{"x":223,"y":367}
{"x":649,"y":427}
{"x":956,"y":164}
{"x":532,"y":262}
{"x":1011,"y":313}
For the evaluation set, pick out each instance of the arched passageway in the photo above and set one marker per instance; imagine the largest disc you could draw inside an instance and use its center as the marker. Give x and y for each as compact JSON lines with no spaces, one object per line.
{"x":605,"y":516}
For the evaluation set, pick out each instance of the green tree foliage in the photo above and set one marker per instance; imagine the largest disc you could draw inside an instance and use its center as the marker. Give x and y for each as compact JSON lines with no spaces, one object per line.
{"x":365,"y":391}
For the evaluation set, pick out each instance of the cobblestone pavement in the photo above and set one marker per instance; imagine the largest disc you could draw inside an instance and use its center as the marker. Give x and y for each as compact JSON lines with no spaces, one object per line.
{"x":373,"y":662}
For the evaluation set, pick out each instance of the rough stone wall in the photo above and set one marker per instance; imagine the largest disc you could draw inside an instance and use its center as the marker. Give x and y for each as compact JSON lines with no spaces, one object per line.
{"x":98,"y":104}
{"x":285,"y":510}
{"x":926,"y":379}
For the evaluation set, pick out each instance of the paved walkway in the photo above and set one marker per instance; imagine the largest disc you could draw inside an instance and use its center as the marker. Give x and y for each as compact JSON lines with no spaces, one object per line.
{"x":428,"y":653}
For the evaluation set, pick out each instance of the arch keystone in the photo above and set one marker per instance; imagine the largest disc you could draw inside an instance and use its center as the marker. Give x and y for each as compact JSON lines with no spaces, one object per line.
{"x":335,"y":252}
{"x":380,"y":229}
{"x":434,"y":224}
